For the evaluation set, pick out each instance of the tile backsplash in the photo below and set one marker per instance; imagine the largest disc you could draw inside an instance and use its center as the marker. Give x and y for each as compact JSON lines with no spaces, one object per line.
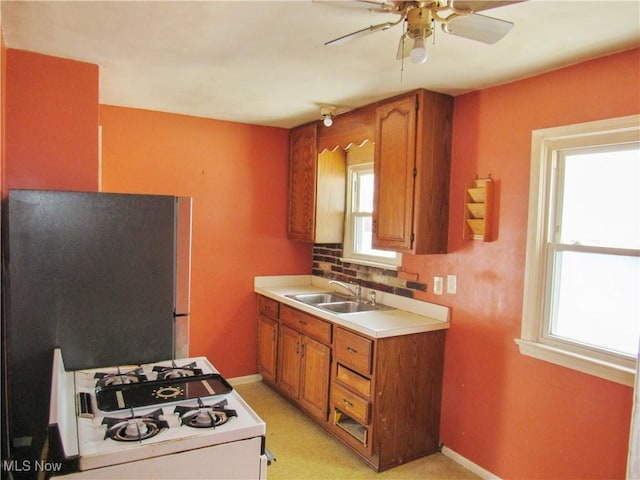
{"x":327,"y":263}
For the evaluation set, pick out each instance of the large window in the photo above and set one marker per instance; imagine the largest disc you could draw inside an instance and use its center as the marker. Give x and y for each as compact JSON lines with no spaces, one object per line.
{"x":582,"y":284}
{"x":358,"y":225}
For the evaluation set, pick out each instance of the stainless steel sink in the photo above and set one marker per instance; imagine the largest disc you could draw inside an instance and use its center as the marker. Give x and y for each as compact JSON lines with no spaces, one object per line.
{"x":347,"y":307}
{"x":317,"y":298}
{"x":336,"y":303}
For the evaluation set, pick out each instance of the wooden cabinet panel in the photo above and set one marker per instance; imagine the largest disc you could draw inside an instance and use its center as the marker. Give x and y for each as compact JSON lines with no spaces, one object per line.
{"x":288,"y":378}
{"x":311,"y":326}
{"x":408,"y":379}
{"x":412,"y":169}
{"x":353,"y":380}
{"x":394,"y":163}
{"x":304,"y":364}
{"x":354,"y":350}
{"x":351,"y":128}
{"x":267,"y":347}
{"x":314,"y":381}
{"x":316,"y":189}
{"x":350,"y":404}
{"x":268,"y":307}
{"x":302,"y":182}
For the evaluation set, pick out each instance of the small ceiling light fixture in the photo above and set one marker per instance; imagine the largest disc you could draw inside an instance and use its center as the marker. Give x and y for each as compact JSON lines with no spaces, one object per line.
{"x":327,"y":114}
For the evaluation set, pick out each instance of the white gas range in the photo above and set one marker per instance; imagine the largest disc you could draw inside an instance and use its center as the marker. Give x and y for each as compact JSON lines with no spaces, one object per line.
{"x":171,"y":419}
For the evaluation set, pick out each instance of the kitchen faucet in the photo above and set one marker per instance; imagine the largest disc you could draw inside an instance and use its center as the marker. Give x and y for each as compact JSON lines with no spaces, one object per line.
{"x":355,"y":291}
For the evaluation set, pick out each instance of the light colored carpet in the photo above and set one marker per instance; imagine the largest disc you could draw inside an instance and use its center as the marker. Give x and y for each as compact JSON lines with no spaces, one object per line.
{"x":303,"y":450}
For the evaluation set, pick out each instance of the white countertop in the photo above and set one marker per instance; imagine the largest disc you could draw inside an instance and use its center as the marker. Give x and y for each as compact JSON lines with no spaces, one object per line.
{"x":407,"y":316}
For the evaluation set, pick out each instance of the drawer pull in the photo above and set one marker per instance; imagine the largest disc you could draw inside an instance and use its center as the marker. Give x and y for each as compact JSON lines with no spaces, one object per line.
{"x":302,"y":322}
{"x":352,"y":350}
{"x":347,"y":402}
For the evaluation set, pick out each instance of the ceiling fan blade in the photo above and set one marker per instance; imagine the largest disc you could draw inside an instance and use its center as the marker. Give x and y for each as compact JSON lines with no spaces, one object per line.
{"x":478,"y":27}
{"x":404,"y":47}
{"x":360,"y":33}
{"x":480,"y":5}
{"x":375,"y":6}
{"x":370,"y":5}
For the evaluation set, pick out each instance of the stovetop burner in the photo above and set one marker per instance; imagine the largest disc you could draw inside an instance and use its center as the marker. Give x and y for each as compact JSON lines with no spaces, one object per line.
{"x":120,"y":378}
{"x":205,"y":416}
{"x":134,"y":428}
{"x":174,"y":371}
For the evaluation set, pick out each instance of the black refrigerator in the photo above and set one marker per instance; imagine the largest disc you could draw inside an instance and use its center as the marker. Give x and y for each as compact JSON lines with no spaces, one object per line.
{"x":104,"y":277}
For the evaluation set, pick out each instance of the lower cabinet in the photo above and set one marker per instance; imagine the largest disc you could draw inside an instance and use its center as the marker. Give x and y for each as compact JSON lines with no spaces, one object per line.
{"x":380,"y":397}
{"x":304,"y":363}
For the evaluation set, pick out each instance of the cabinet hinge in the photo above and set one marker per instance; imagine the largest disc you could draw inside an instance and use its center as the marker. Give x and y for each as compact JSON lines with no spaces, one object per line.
{"x":415,"y":172}
{"x":417,"y":103}
{"x":412,"y":238}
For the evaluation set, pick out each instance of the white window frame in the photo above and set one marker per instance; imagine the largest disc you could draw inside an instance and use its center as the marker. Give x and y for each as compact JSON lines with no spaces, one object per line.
{"x":350,"y":255}
{"x":534,"y":342}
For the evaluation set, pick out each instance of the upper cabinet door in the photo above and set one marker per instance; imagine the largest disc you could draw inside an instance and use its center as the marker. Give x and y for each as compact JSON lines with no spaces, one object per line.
{"x":394,"y":167}
{"x":303,"y":156}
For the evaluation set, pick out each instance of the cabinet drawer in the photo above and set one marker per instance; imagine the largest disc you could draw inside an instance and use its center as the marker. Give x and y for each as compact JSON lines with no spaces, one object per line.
{"x":268,"y":308}
{"x":350,"y":403}
{"x":354,"y":351}
{"x":353,"y":380}
{"x":306,"y":324}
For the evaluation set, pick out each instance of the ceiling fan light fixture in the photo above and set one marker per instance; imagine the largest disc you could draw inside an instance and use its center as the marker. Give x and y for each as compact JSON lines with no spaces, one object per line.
{"x":419,"y":52}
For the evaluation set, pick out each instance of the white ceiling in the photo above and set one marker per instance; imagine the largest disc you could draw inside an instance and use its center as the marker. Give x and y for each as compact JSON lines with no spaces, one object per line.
{"x":265,"y":63}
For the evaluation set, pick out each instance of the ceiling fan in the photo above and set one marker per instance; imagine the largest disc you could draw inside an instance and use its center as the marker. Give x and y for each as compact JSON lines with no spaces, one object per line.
{"x":457,"y":17}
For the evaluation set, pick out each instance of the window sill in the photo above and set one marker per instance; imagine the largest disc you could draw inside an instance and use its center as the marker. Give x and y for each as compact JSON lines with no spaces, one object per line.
{"x":368,"y":263}
{"x":599,"y":368}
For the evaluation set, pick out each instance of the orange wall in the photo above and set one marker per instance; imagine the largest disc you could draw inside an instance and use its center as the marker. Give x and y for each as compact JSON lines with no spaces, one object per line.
{"x":516,"y":416}
{"x":51,"y":122}
{"x":237,"y":176}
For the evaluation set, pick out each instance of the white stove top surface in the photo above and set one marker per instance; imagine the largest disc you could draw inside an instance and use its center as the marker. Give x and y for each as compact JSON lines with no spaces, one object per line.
{"x":95,"y":451}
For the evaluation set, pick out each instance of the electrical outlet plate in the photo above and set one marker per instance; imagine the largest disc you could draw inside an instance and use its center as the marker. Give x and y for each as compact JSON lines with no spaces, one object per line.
{"x":438,"y":284}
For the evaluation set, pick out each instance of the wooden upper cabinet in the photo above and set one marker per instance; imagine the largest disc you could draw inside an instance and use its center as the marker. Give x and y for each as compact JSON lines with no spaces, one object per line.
{"x":394,"y":161}
{"x":303,"y":157}
{"x":412,"y":165}
{"x":316,"y":188}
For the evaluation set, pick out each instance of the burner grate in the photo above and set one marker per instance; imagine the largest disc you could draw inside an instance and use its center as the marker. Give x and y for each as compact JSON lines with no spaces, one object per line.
{"x":205,"y":416}
{"x":119,"y":377}
{"x":135,"y":428}
{"x":174,"y":371}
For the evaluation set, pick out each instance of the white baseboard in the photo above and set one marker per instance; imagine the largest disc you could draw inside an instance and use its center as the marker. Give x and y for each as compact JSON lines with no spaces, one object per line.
{"x":468,"y":464}
{"x":246,"y":379}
